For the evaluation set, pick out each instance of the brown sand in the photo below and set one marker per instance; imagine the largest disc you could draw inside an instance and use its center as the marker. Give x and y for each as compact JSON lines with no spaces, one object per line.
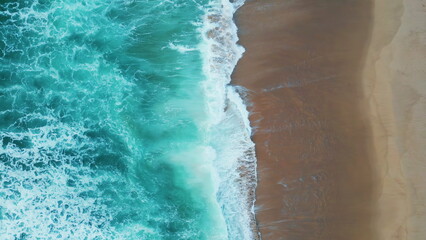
{"x":333,"y":160}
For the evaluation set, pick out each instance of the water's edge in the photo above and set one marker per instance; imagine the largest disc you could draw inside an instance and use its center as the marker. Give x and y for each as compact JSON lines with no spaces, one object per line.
{"x":220,"y":59}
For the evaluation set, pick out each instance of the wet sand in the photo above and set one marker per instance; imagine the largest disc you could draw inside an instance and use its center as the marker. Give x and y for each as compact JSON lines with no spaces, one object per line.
{"x":320,"y":118}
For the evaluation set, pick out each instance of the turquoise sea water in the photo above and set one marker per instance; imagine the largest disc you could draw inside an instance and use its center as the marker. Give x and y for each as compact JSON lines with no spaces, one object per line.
{"x":116,"y":121}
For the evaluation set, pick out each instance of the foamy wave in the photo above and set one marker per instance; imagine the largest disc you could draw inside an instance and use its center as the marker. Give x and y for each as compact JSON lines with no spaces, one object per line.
{"x":50,"y":188}
{"x":41,"y":194}
{"x":229,"y":129}
{"x":181,"y":48}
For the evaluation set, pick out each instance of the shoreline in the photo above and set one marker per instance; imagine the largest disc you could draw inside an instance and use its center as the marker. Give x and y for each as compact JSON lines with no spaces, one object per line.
{"x":301,"y":69}
{"x":338,"y":134}
{"x":234,"y":158}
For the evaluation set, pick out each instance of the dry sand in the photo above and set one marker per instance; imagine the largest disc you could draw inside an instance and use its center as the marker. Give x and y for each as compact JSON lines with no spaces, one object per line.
{"x":339,"y":115}
{"x":395,"y":87}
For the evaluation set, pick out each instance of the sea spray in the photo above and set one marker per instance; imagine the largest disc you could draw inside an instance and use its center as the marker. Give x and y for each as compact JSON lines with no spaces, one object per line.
{"x":117,"y":122}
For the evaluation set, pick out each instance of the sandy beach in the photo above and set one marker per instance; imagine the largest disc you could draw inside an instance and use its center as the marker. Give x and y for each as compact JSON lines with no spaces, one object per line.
{"x":394,"y":80}
{"x":337,"y":92}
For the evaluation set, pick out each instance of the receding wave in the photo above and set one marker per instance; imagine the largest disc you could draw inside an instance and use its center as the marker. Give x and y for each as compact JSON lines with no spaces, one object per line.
{"x":229,"y":130}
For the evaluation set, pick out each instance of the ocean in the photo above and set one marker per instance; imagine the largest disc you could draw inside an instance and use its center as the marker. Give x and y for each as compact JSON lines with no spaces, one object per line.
{"x":118,"y":121}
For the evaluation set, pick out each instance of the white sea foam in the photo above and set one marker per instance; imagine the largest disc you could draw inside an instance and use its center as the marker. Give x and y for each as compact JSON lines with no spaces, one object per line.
{"x":32,"y":202}
{"x":228,"y":129}
{"x":45,"y":174}
{"x":181,"y":48}
{"x":49,"y":189}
